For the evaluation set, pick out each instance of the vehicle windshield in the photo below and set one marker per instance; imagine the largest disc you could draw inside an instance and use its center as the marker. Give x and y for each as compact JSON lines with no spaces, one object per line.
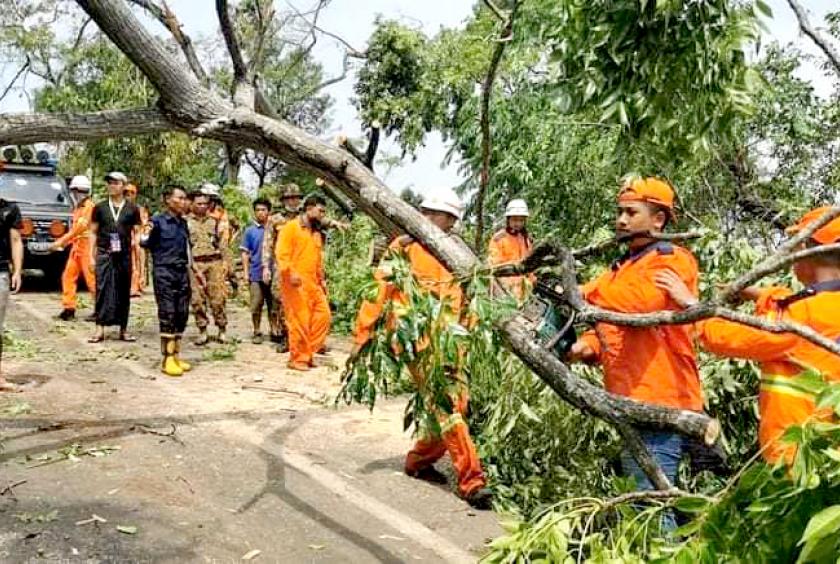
{"x":31,"y":189}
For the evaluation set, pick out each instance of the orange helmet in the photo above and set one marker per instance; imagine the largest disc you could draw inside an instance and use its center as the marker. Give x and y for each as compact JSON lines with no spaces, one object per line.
{"x":826,"y":234}
{"x":650,"y":189}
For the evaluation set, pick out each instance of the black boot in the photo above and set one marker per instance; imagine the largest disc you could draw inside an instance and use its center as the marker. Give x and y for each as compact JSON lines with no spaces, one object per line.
{"x":67,"y":314}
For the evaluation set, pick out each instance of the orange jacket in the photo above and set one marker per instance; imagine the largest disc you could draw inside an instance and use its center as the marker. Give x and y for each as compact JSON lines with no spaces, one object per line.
{"x":79,"y":233}
{"x":510,"y":248}
{"x":655,"y":365}
{"x":430,"y":274}
{"x":782,"y":356}
{"x":298,"y":250}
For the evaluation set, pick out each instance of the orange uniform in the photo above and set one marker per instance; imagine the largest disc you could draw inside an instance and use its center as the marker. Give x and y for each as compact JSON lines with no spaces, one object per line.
{"x":510,"y":248}
{"x":655,"y":365}
{"x":299,"y":251}
{"x":783,"y":357}
{"x":78,"y":261}
{"x":138,"y":256}
{"x":433,"y":277}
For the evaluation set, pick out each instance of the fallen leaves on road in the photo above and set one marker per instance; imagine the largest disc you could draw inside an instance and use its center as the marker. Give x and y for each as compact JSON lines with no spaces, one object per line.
{"x":250,"y":555}
{"x":127,"y":529}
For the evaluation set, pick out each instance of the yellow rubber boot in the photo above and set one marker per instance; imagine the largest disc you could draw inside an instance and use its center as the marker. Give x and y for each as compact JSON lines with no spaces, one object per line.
{"x":185,"y":366}
{"x":170,"y":364}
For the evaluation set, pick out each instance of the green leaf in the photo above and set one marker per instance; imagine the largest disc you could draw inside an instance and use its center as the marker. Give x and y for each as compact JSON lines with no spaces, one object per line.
{"x":692,"y":504}
{"x":127,"y":529}
{"x":764,"y":8}
{"x":821,"y":525}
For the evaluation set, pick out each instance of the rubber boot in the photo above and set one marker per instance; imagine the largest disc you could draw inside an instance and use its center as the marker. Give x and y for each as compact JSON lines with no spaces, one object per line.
{"x":169,"y":366}
{"x":67,"y":314}
{"x":185,"y":366}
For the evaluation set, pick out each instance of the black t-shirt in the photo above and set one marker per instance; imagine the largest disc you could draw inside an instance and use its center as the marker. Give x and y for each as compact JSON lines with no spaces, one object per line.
{"x":127,"y":217}
{"x":9,"y":219}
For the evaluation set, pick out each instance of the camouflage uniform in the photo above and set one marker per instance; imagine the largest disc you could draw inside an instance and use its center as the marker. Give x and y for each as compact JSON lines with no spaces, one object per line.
{"x":209,"y":255}
{"x":275,"y":223}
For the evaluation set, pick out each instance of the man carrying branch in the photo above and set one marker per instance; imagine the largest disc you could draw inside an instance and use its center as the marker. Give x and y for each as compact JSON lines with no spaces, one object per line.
{"x":655,"y":365}
{"x":785,"y":398}
{"x":454,"y":438}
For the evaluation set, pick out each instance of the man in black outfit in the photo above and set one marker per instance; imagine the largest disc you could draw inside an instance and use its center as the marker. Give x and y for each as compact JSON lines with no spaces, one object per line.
{"x":169,"y":243}
{"x":111,"y":229}
{"x":11,"y":247}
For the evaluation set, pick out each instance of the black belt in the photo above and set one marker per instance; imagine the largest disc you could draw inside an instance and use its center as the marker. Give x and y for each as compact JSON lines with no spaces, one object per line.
{"x":208,"y":258}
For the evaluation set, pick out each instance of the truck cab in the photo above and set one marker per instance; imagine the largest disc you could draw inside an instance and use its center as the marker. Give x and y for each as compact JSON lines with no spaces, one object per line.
{"x":46,"y":207}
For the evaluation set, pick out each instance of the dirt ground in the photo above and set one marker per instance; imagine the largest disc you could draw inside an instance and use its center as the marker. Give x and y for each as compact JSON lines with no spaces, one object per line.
{"x":104,"y":459}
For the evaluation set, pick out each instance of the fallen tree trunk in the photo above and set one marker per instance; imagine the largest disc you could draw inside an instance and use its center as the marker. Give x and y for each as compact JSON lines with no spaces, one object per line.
{"x":188,"y":106}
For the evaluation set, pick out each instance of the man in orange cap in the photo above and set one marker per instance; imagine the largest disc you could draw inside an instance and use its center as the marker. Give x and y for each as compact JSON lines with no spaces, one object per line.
{"x":783,"y":399}
{"x":655,"y":365}
{"x":512,"y":244}
{"x":138,"y":253}
{"x":300,"y":267}
{"x":433,"y":277}
{"x":78,"y":262}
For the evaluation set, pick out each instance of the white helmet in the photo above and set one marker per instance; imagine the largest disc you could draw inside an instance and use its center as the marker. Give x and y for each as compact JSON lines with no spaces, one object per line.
{"x":209,"y":189}
{"x":449,"y":204}
{"x":517,"y":208}
{"x":80,"y":183}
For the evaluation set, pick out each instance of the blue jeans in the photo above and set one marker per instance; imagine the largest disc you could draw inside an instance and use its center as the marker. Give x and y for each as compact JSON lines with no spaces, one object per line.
{"x":666,"y":449}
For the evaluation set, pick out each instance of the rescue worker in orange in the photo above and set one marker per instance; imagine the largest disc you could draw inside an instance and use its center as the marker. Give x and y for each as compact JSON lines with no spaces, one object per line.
{"x":299,"y":262}
{"x":783,"y":401}
{"x":78,"y":261}
{"x":138,"y":253}
{"x":512,"y":244}
{"x":433,"y":277}
{"x":655,"y":365}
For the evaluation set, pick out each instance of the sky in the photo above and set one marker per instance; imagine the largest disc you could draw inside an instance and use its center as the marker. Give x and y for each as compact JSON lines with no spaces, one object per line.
{"x":353,"y":20}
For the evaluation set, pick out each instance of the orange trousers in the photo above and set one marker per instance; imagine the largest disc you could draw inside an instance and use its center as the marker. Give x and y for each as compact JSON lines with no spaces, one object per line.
{"x":455,"y":440}
{"x":78,"y":263}
{"x":307,"y":313}
{"x":138,"y":270}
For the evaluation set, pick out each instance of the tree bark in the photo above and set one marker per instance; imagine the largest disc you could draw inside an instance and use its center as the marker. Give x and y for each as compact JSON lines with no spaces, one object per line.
{"x":31,"y":128}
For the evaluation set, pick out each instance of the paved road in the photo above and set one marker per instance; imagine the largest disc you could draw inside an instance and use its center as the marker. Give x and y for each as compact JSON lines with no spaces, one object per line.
{"x":239,"y":456}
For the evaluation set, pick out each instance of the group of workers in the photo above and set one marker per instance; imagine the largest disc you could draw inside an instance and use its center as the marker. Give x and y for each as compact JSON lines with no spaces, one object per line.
{"x":282,"y":256}
{"x":654,"y":365}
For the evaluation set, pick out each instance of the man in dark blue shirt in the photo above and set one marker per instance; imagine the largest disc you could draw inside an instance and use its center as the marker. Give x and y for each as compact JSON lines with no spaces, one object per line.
{"x":168,"y":240}
{"x":252,"y":242}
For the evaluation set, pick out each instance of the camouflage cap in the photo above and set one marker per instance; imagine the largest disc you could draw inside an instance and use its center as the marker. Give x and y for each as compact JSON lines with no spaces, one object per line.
{"x":292,"y":190}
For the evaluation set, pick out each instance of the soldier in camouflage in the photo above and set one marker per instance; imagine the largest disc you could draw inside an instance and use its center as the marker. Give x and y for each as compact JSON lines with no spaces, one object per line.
{"x":209,"y":255}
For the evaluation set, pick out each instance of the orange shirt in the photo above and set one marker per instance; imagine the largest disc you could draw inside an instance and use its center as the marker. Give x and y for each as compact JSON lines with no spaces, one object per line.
{"x":510,"y":248}
{"x":79,"y":233}
{"x":783,"y":357}
{"x":430,"y":274}
{"x":655,"y":365}
{"x":298,"y":250}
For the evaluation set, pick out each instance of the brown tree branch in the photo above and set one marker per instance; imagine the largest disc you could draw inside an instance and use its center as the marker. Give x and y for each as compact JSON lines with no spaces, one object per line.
{"x":167,"y":17}
{"x":240,"y":72}
{"x":780,"y":259}
{"x":810,"y":31}
{"x":12,"y":82}
{"x":32,"y":128}
{"x":484,"y":120}
{"x":496,"y":10}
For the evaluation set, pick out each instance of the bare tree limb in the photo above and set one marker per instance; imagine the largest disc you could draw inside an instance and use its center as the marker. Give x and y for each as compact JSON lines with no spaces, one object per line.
{"x":484,"y":119}
{"x":810,"y":31}
{"x":641,"y":453}
{"x":31,"y":128}
{"x":167,"y":17}
{"x":240,"y":72}
{"x":496,"y":10}
{"x":12,"y":82}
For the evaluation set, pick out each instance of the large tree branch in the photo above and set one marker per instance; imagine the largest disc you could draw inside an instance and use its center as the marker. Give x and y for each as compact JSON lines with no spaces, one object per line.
{"x":167,"y":17}
{"x":484,"y":120}
{"x":240,"y":72}
{"x":810,"y":31}
{"x":31,"y":128}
